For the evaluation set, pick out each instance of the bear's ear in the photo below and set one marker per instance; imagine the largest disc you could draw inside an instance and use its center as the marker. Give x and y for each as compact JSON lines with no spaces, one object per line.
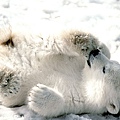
{"x":113,"y":106}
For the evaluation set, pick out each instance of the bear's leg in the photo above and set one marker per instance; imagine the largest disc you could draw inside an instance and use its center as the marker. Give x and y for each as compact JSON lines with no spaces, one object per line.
{"x":46,"y":101}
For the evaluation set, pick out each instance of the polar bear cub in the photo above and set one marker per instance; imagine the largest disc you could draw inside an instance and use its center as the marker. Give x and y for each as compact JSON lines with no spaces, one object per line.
{"x":59,"y":74}
{"x":96,"y":90}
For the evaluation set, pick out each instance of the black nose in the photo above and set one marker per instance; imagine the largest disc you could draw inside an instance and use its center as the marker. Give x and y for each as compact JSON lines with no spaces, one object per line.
{"x":94,"y":52}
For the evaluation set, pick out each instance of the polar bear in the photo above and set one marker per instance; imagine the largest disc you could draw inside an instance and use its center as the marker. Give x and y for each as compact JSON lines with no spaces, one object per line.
{"x":60,"y":74}
{"x":94,"y":90}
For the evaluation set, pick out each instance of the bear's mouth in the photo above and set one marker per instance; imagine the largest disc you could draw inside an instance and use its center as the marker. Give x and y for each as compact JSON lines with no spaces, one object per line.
{"x":92,"y":54}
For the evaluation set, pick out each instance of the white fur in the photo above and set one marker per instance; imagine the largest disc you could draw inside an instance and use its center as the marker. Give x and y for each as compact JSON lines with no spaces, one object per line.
{"x":51,"y":75}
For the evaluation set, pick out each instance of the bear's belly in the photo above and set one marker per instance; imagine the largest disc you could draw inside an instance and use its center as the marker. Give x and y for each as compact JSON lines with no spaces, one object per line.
{"x":73,"y":95}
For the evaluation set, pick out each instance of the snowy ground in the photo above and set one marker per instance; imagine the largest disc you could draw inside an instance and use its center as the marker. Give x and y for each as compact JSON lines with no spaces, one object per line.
{"x":100,"y":17}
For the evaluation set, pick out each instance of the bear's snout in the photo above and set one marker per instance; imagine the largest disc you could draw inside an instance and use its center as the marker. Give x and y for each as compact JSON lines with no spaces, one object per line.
{"x":94,"y":52}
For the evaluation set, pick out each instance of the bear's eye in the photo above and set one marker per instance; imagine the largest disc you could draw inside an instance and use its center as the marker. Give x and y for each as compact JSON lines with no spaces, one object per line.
{"x":8,"y":43}
{"x":104,"y":69}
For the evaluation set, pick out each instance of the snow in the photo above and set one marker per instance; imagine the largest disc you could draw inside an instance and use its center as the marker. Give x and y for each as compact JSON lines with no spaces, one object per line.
{"x":100,"y":17}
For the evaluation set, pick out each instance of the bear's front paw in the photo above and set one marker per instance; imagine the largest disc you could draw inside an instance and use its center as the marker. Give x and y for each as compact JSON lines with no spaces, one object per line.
{"x":45,"y":101}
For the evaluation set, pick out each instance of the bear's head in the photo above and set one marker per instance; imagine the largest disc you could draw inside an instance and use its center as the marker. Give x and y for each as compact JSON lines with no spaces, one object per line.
{"x":107,"y":73}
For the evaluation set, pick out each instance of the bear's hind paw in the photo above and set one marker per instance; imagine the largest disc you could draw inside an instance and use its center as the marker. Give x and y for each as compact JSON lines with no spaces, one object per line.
{"x":45,"y":101}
